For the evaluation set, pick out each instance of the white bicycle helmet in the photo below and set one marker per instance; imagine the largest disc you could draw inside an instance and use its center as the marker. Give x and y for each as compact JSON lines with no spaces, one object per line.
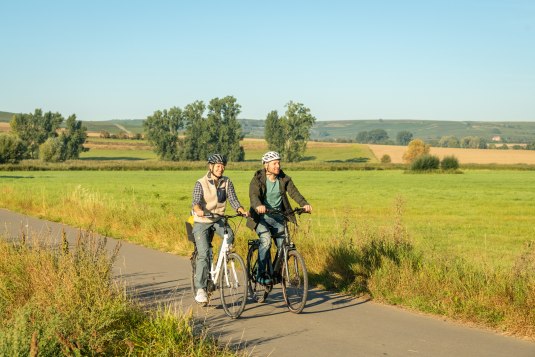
{"x":270,"y":156}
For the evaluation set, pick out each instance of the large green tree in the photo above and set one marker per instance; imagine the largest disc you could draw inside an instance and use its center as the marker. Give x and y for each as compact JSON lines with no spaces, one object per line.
{"x":196,"y":136}
{"x":224,"y":128}
{"x":162,"y":130}
{"x":34,"y":129}
{"x":219,"y":131}
{"x":295,"y":127}
{"x":73,"y":138}
{"x":275,"y":132}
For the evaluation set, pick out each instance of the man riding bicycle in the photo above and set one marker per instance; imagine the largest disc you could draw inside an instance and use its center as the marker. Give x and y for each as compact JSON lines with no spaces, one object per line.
{"x":268,"y":190}
{"x":210,"y":197}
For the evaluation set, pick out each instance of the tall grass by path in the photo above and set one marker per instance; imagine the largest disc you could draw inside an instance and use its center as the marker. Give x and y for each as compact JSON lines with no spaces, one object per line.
{"x":63,"y":302}
{"x":473,"y":225}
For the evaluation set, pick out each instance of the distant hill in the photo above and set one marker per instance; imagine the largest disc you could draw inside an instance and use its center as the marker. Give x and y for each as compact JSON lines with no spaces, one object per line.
{"x":425,"y":129}
{"x":518,"y":132}
{"x":5,"y":117}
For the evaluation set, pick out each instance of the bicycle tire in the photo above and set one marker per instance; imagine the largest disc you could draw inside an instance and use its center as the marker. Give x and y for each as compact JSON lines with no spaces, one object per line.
{"x":295,"y":289}
{"x":257,"y":292}
{"x":233,"y":285}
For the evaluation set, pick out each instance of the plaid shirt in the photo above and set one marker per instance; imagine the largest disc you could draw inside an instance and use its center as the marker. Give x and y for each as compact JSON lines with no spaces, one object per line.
{"x":232,"y":197}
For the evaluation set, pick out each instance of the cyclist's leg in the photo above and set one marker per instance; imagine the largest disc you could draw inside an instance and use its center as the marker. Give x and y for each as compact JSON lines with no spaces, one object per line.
{"x":277,"y":232}
{"x":264,"y":236}
{"x":201,"y":232}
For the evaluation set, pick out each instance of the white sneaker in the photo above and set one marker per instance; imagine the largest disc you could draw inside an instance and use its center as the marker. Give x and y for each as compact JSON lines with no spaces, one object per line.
{"x":201,"y":296}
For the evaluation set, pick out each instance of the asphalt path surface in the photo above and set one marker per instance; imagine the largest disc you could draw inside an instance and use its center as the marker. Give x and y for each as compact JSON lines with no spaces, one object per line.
{"x":330,"y":325}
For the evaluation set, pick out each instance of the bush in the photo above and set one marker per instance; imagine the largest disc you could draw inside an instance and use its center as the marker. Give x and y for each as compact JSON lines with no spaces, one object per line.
{"x":425,"y":163}
{"x":11,"y":149}
{"x":385,"y":159}
{"x":449,"y":163}
{"x":415,"y":149}
{"x":52,"y":150}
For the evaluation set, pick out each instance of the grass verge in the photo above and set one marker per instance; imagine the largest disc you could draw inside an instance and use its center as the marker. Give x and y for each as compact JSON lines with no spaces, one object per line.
{"x":63,"y":302}
{"x":385,"y":265}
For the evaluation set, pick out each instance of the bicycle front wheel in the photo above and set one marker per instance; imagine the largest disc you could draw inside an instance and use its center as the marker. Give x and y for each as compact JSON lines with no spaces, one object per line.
{"x":295,"y":282}
{"x":233,"y":285}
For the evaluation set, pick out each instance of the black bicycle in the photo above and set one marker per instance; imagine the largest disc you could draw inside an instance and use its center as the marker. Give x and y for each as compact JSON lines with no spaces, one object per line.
{"x":229,"y":274}
{"x":287,"y":268}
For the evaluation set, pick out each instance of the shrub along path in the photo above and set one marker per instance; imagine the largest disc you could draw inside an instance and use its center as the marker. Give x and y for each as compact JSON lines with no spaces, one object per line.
{"x":330,"y":324}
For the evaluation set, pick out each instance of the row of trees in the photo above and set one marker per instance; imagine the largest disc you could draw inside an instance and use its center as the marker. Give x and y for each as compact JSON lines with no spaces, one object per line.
{"x":380,"y":136}
{"x":198,"y":130}
{"x":38,"y":135}
{"x":467,"y":142}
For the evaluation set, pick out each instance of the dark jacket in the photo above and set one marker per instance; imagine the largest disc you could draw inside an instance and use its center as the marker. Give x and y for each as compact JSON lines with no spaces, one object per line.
{"x":257,"y":194}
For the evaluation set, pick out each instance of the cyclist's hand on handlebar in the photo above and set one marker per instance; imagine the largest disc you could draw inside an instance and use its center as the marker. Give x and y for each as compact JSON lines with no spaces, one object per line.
{"x":243,"y":212}
{"x":261,"y":209}
{"x":199,"y":213}
{"x":307,"y":208}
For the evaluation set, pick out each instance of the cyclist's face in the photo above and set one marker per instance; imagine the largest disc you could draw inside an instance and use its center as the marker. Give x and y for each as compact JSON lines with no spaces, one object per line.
{"x":273,"y":167}
{"x":218,"y":169}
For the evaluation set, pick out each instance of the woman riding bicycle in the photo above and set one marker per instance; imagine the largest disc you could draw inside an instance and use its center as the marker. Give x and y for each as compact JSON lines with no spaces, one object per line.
{"x":210,"y":197}
{"x":268,"y":190}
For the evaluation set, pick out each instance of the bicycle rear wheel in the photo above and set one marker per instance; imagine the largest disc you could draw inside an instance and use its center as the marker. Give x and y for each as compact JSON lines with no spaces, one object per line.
{"x":295,"y":282}
{"x":233,"y":285}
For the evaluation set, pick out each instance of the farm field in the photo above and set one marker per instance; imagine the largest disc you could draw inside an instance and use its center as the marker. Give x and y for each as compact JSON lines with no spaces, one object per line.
{"x":116,"y":149}
{"x":465,"y":156}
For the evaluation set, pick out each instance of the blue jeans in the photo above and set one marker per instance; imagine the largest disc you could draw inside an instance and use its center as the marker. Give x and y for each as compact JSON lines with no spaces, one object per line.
{"x":268,"y":227}
{"x":202,"y":234}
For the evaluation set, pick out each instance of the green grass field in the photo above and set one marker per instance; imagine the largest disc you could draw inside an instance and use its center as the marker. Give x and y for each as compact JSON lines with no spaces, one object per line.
{"x":480,"y":215}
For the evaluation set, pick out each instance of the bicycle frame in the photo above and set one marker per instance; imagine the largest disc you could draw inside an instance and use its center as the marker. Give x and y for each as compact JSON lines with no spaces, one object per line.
{"x":228,"y":274}
{"x":215,"y":270}
{"x":287,"y":261}
{"x":221,"y":258}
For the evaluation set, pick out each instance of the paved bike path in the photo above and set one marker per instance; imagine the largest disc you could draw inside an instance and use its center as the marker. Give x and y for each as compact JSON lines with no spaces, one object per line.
{"x":330,"y":325}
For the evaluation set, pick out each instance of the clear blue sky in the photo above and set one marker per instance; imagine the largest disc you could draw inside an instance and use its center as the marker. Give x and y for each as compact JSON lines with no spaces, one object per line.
{"x":433,"y":60}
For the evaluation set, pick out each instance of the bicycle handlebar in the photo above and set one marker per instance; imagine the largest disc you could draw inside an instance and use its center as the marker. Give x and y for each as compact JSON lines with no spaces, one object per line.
{"x":298,"y":210}
{"x":215,"y":215}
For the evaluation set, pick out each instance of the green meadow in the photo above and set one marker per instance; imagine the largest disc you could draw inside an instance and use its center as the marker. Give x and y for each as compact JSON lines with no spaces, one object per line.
{"x":480,"y":215}
{"x":458,"y":245}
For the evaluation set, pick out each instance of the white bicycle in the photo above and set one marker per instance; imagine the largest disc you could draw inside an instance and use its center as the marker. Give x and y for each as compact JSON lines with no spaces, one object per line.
{"x":229,"y":274}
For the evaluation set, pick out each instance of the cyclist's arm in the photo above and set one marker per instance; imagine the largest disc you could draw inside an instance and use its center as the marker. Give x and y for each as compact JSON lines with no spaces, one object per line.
{"x":254,"y":195}
{"x":197,"y":197}
{"x":297,"y":196}
{"x":233,"y":199}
